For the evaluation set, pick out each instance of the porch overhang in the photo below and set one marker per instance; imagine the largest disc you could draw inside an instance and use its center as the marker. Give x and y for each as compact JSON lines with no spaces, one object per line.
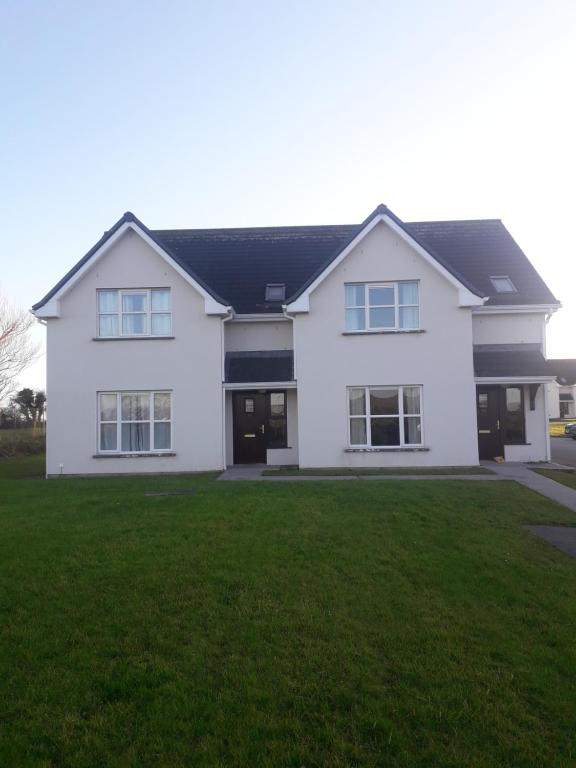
{"x":513,"y":379}
{"x":511,"y":364}
{"x":251,"y":385}
{"x":274,"y":367}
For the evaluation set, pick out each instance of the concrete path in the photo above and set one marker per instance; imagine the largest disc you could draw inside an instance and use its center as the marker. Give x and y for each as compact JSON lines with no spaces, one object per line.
{"x":562,"y":537}
{"x":542,"y":485}
{"x":244,"y":472}
{"x":254,"y":472}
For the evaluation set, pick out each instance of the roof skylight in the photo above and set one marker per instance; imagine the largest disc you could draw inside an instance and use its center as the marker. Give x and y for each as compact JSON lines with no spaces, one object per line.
{"x":275,"y":292}
{"x":503,"y":284}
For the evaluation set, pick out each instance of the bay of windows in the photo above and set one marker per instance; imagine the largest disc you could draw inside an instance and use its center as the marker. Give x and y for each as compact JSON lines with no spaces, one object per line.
{"x":382,"y":306}
{"x":142,"y":312}
{"x":385,"y":416}
{"x":134,"y":422}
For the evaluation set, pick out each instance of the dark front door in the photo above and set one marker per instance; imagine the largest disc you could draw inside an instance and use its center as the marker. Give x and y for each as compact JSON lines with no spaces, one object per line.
{"x":489,"y":432}
{"x":250,"y":418}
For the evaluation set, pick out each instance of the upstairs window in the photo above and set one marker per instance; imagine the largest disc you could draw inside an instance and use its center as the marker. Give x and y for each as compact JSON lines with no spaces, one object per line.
{"x":503,"y":284}
{"x":142,"y":312}
{"x":382,"y":306}
{"x":275,"y":292}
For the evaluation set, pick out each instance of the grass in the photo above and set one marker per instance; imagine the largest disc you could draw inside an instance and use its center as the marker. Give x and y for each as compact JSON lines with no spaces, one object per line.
{"x":290,"y":624}
{"x":362,"y":471}
{"x":564,"y":476}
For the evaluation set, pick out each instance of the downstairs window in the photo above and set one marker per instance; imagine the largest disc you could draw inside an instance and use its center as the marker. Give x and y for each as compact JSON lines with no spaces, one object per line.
{"x":385,"y":416}
{"x":134,"y":422}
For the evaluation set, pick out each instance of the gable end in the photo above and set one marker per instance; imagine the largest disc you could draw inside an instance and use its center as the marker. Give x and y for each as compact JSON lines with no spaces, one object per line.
{"x":49,"y":306}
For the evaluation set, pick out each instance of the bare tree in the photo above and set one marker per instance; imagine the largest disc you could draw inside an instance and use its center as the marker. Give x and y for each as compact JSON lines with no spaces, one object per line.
{"x":16,"y":349}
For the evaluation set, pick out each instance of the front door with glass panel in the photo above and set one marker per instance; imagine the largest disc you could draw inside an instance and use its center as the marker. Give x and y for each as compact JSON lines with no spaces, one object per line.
{"x":260,"y":423}
{"x":489,"y":422}
{"x":250,"y":417}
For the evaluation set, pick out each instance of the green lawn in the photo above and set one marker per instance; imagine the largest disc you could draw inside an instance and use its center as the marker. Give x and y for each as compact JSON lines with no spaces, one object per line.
{"x":566,"y":477}
{"x":282,"y":624}
{"x":360,"y":471}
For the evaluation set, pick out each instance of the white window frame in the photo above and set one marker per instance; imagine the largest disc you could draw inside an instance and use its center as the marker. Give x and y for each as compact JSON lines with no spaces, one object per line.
{"x":151,"y":421}
{"x":397,"y":306}
{"x":367,"y":416}
{"x":119,"y":313}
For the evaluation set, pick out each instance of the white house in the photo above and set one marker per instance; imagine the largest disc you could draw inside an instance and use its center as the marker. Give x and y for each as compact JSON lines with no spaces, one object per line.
{"x":562,"y":391}
{"x":380,"y":344}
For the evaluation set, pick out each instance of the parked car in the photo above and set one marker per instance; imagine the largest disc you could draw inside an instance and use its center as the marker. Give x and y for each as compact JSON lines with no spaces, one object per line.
{"x":570,"y":431}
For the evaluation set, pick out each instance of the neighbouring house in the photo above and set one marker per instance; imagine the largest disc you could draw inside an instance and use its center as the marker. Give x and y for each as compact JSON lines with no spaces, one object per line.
{"x":562,"y":391}
{"x":380,"y":344}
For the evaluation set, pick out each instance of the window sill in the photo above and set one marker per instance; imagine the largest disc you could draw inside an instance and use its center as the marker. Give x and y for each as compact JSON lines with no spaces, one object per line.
{"x":132,"y":338}
{"x":389,"y":449}
{"x":391,"y":331}
{"x":151,"y":454}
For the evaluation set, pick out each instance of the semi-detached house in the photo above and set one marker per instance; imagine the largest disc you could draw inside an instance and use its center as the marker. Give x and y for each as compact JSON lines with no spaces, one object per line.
{"x":380,"y":344}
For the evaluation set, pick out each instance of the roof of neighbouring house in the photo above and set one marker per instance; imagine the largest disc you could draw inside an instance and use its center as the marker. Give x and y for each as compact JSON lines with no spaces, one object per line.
{"x":236,"y":265}
{"x":501,"y":360}
{"x":259,"y":367}
{"x":564,"y":369}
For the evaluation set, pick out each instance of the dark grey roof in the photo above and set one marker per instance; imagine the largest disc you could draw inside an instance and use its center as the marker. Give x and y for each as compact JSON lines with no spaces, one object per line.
{"x":564,"y":370}
{"x":235,"y":265}
{"x":499,"y":360}
{"x":238,"y":263}
{"x":484,"y":248}
{"x":253,"y":367}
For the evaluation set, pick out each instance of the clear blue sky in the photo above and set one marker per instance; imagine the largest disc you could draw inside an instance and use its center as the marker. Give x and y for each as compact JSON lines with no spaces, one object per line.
{"x":260,"y":113}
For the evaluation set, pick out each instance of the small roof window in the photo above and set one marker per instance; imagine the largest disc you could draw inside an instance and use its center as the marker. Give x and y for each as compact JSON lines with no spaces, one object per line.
{"x":503,"y":284}
{"x":275,"y":292}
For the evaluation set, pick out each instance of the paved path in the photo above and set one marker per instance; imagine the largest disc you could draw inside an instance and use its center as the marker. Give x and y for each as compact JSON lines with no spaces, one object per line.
{"x":562,"y":537}
{"x":542,"y":485}
{"x":254,"y":472}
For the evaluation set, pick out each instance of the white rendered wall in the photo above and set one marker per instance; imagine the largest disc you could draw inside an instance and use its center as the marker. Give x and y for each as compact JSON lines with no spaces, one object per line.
{"x":257,"y":336}
{"x":190,"y":365}
{"x":509,"y":328}
{"x":553,"y":400}
{"x":440,"y":359}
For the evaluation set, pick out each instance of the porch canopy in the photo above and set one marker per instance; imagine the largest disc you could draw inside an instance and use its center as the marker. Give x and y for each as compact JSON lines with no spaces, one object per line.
{"x":511,"y":362}
{"x":270,"y":367}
